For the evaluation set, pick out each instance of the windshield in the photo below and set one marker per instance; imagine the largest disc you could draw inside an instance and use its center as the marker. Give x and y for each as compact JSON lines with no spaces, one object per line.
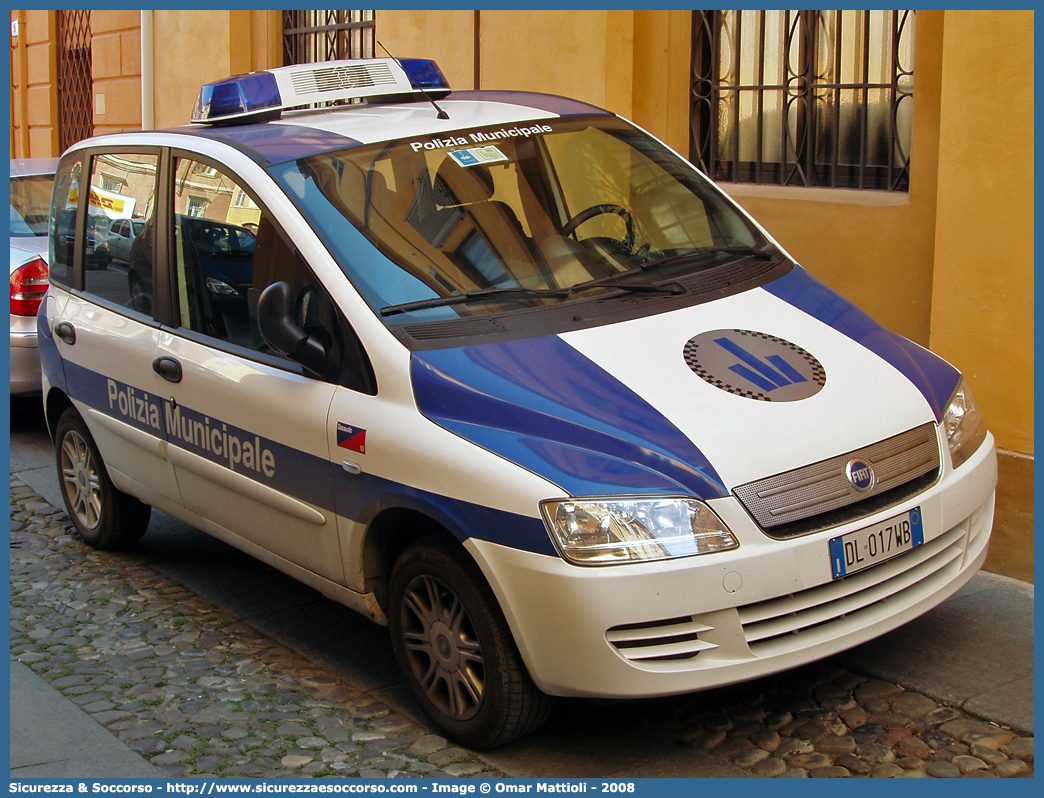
{"x":30,"y":201}
{"x":488,"y":220}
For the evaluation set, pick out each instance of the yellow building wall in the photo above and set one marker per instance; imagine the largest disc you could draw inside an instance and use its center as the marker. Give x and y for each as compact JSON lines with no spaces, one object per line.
{"x":420,"y":34}
{"x":116,"y":70}
{"x":541,"y":51}
{"x":982,"y":312}
{"x":34,"y":105}
{"x":207,"y":46}
{"x":662,"y":66}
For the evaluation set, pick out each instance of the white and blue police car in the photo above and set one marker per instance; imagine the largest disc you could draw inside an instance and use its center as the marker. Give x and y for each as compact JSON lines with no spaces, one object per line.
{"x":503,"y":372}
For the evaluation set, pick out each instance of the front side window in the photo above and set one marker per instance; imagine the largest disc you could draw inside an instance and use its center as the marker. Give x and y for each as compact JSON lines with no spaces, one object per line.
{"x":499,"y":219}
{"x":227,"y":251}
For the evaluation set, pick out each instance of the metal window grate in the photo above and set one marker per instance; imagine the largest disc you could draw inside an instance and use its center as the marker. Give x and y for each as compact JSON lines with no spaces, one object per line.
{"x":805,"y":98}
{"x":313,"y":36}
{"x":75,"y":82}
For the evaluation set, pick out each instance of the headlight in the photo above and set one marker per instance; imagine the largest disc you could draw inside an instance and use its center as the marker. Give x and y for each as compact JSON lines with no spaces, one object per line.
{"x":610,"y":531}
{"x":963,"y":423}
{"x":217,"y":286}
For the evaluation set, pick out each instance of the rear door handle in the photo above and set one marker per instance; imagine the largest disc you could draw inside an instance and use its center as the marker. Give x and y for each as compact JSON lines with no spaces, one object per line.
{"x":168,"y":368}
{"x":66,"y":332}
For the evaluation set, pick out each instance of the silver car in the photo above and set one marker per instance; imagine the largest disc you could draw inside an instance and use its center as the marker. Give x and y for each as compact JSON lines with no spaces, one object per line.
{"x":31,"y":181}
{"x":119,"y":236}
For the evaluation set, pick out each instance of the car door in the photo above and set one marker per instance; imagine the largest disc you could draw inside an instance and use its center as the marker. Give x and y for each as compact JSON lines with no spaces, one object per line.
{"x":248,"y":427}
{"x":109,"y":347}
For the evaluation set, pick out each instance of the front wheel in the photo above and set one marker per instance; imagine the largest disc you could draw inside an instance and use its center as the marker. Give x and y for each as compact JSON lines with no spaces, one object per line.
{"x":104,"y":516}
{"x":456,"y":651}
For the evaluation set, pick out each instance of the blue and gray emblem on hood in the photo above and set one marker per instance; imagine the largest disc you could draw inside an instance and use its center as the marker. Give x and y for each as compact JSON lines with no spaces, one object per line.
{"x":543,"y":405}
{"x":755,"y":365}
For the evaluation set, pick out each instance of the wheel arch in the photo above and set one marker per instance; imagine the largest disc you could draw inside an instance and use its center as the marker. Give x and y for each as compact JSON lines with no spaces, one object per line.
{"x":57,"y":402}
{"x":394,"y":525}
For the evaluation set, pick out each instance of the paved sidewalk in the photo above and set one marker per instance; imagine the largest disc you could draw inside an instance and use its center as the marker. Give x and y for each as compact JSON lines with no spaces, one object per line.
{"x":120,"y":671}
{"x":53,"y":738}
{"x":973,"y":652}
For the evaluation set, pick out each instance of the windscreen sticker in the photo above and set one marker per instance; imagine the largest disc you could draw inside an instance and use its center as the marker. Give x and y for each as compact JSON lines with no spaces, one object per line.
{"x":478,"y":156}
{"x":351,"y":438}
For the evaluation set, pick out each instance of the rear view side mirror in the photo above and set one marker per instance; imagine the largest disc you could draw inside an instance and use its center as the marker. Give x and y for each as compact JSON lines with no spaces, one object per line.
{"x":275,"y":320}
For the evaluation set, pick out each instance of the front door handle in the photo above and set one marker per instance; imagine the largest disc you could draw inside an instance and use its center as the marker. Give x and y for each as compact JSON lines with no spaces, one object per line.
{"x":66,"y":332}
{"x":168,"y":368}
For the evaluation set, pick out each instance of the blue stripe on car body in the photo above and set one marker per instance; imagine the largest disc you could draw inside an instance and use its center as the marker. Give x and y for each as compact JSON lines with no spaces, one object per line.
{"x":551,"y":103}
{"x":310,"y":478}
{"x":51,"y":362}
{"x":931,"y":375}
{"x":276,"y":141}
{"x":584,"y":430}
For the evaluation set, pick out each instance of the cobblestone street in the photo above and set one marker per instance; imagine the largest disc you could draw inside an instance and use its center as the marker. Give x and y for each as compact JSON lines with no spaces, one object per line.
{"x":196,"y":691}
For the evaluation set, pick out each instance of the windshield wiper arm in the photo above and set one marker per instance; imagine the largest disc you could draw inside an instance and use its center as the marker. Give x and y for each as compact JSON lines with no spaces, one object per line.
{"x":735,"y":249}
{"x":485,"y":294}
{"x":493,"y":294}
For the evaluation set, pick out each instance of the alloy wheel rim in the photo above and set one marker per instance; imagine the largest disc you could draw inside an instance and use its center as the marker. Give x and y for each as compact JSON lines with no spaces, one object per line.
{"x":443,"y":648}
{"x":80,"y":480}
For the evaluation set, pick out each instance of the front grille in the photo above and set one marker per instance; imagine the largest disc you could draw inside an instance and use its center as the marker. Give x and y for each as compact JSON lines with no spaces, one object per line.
{"x":820,"y":495}
{"x":658,"y":641}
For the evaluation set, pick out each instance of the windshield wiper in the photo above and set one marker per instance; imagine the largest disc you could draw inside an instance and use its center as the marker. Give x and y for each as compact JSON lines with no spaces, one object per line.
{"x":493,"y":294}
{"x":766,"y":252}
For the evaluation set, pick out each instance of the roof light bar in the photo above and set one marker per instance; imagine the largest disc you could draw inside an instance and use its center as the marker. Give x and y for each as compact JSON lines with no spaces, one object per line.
{"x":258,"y":96}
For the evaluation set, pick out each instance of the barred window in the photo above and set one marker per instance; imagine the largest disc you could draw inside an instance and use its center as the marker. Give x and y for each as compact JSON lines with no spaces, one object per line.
{"x":803,"y":98}
{"x":75,"y":81}
{"x":313,"y":36}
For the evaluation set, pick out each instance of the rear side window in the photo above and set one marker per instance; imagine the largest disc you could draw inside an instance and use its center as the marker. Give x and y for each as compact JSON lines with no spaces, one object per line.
{"x":117,"y":269}
{"x":62,"y":223}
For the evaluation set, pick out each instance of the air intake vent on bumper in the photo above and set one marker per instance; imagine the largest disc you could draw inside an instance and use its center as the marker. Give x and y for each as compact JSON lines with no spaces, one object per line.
{"x":656,"y":641}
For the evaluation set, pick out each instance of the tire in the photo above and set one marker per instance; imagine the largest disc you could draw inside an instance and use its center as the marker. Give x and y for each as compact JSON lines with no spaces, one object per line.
{"x":139,"y":300}
{"x":456,"y":651}
{"x":104,"y":517}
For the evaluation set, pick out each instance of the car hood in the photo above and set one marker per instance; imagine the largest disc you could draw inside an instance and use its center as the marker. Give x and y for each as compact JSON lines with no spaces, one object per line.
{"x":27,"y":247}
{"x":694,"y":401}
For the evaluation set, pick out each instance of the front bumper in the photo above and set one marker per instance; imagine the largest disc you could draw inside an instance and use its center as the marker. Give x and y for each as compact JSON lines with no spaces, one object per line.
{"x":679,"y":626}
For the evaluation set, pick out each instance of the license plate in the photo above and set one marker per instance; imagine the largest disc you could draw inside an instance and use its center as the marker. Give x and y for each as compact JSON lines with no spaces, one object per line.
{"x":865,"y":547}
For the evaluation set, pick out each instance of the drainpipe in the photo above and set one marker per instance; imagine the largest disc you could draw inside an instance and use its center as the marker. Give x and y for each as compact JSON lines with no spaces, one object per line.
{"x":148,"y":109}
{"x":477,"y":48}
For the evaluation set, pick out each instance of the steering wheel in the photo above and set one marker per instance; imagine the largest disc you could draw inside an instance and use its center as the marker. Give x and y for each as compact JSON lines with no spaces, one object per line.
{"x":598,"y":210}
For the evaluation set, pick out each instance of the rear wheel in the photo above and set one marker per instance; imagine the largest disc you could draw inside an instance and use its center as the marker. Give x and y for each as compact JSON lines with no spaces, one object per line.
{"x":104,"y":517}
{"x":139,"y":300}
{"x":456,"y":651}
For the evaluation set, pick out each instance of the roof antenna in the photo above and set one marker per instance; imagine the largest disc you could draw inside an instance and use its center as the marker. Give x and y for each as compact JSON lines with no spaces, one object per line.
{"x":442,"y":114}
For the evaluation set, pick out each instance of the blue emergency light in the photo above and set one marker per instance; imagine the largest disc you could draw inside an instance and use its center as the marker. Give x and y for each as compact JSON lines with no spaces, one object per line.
{"x":258,"y":96}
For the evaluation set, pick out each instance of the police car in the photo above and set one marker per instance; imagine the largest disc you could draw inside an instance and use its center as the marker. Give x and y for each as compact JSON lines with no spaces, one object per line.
{"x":503,"y":372}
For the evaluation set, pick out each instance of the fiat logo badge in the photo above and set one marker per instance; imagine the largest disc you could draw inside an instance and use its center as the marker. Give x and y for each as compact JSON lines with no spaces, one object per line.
{"x":860,"y":475}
